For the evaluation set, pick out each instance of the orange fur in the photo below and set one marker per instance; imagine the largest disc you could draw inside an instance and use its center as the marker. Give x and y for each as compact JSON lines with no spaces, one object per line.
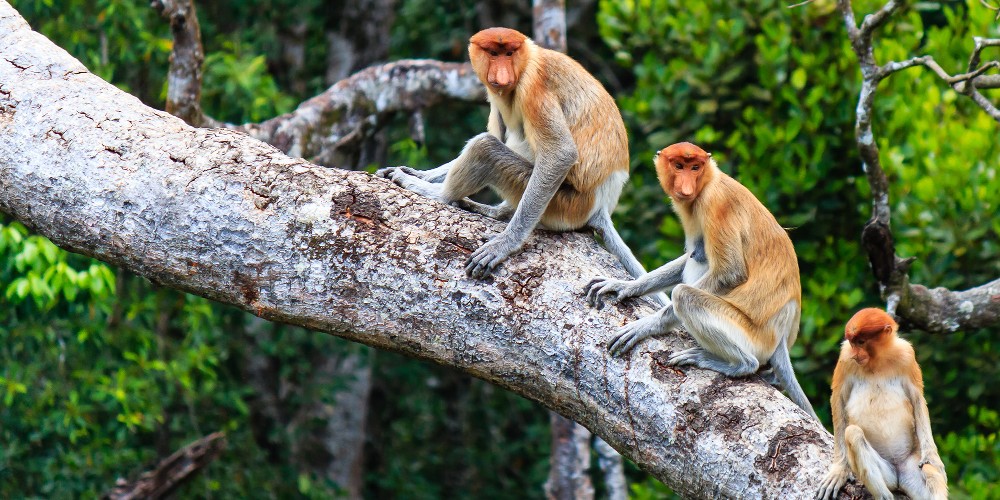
{"x":546,"y":82}
{"x":878,"y":388}
{"x":738,"y":230}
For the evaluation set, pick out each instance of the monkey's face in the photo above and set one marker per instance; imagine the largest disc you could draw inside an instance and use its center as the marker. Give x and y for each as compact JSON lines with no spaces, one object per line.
{"x":498,"y":56}
{"x":867,"y":331}
{"x":859,"y":353}
{"x":682,"y":169}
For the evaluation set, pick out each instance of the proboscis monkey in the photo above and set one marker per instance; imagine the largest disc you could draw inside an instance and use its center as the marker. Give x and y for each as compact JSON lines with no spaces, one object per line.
{"x":556,"y":150}
{"x":737,"y":286}
{"x":881,"y":429}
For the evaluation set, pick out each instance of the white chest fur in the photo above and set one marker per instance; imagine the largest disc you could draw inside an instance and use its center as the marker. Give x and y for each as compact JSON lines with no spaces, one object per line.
{"x":882,"y":409}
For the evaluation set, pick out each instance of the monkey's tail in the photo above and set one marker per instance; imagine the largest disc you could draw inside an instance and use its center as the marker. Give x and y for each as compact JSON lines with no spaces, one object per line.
{"x":781,"y":362}
{"x":601,"y":222}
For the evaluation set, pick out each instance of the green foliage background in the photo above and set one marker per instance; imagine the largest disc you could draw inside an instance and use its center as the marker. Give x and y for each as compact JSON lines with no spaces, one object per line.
{"x":102,"y":372}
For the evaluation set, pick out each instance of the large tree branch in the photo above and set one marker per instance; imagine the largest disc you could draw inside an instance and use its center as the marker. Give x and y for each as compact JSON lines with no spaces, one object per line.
{"x":221,"y":215}
{"x":332,"y":125}
{"x":939,"y":310}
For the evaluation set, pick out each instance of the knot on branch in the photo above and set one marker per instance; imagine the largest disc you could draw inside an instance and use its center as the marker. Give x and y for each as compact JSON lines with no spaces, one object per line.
{"x":876,"y":237}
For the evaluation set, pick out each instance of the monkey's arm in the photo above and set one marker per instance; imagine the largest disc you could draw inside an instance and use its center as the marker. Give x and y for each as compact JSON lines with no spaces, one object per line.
{"x":727,"y":265}
{"x":836,"y":477}
{"x":922,"y":422}
{"x":494,"y":126}
{"x":555,"y":154}
{"x":601,"y":289}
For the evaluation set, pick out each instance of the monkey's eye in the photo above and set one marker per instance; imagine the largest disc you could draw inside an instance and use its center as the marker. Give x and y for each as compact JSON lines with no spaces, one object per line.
{"x":510,"y":54}
{"x":695,"y":167}
{"x":678,"y":166}
{"x":493,"y":53}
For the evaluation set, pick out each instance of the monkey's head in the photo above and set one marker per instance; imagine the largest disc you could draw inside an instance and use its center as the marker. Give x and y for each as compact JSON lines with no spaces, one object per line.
{"x":683,"y":170}
{"x":499,"y":56}
{"x":867,"y":331}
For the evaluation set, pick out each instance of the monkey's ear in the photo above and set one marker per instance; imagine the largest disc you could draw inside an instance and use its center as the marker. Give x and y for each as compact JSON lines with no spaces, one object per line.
{"x":657,"y":155}
{"x":709,"y":155}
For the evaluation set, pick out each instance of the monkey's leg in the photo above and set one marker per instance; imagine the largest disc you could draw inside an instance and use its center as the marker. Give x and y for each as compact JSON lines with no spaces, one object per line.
{"x":601,"y":222}
{"x":503,"y":211}
{"x":922,"y":482}
{"x":715,"y":325}
{"x":486,"y":162}
{"x":878,"y":475}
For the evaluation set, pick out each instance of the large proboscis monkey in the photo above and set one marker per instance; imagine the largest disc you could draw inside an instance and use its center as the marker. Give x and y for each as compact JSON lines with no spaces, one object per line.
{"x":881,"y":429}
{"x":737,"y":286}
{"x":556,"y":150}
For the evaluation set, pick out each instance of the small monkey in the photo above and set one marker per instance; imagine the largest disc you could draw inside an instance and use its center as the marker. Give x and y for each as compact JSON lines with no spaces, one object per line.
{"x":737,"y":286}
{"x":555,"y":150}
{"x":881,"y":428}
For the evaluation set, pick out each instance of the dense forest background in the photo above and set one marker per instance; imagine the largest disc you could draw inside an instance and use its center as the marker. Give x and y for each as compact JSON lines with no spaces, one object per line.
{"x":102,"y":373}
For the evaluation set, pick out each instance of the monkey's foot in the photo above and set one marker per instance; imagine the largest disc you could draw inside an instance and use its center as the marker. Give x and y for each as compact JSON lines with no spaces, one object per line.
{"x":386,"y":173}
{"x":702,"y":358}
{"x":769,"y":376}
{"x":486,"y":258}
{"x":692,"y":356}
{"x":835,"y":479}
{"x":633,"y":333}
{"x":415,"y":184}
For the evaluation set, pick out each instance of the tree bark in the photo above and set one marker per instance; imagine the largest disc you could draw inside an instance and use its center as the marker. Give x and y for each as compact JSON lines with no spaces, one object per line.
{"x":224,"y":216}
{"x":550,"y":24}
{"x":570,"y":461}
{"x":610,"y":462}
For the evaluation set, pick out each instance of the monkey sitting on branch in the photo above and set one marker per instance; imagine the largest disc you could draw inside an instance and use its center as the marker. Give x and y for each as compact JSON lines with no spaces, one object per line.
{"x":737,"y":286}
{"x":556,"y":151}
{"x":881,"y":428}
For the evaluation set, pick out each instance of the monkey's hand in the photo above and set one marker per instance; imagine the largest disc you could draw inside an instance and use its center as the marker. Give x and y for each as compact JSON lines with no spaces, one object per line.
{"x":835,"y":479}
{"x":634,"y":332}
{"x":931,"y":459}
{"x":489,"y":256}
{"x":601,"y":290}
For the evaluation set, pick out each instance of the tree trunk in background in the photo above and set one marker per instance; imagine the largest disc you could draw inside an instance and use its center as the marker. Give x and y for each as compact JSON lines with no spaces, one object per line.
{"x":334,"y":441}
{"x":568,"y":477}
{"x":610,"y":462}
{"x":321,"y":421}
{"x":550,"y":24}
{"x":358,"y":37}
{"x":570,"y":461}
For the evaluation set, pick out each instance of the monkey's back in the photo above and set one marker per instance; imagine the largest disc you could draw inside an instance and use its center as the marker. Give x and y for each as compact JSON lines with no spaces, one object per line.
{"x":592,"y":115}
{"x":772,"y":267}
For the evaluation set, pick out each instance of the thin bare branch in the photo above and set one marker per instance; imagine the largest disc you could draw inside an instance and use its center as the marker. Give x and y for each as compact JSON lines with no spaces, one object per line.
{"x":186,"y":58}
{"x":874,"y":21}
{"x":800,"y":4}
{"x":939,"y":310}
